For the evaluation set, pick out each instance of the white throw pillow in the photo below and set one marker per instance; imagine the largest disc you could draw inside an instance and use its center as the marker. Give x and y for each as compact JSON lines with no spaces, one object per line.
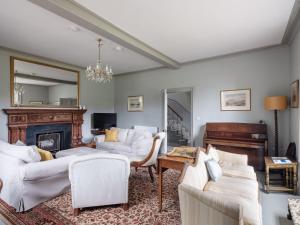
{"x":212,"y":151}
{"x":214,"y":169}
{"x":26,"y":153}
{"x":129,"y":137}
{"x":204,"y":157}
{"x":142,"y":147}
{"x":122,"y":135}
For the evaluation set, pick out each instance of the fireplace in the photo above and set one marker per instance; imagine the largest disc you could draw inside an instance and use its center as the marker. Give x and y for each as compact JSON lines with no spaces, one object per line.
{"x":27,"y":124}
{"x":52,"y":137}
{"x":50,"y":142}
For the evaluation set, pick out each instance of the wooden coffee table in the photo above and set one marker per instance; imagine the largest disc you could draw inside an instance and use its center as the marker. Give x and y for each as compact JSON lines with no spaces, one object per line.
{"x":290,"y":179}
{"x":168,"y":162}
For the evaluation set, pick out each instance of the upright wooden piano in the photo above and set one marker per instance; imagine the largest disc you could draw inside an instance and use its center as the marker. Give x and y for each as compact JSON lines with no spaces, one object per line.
{"x":242,"y":138}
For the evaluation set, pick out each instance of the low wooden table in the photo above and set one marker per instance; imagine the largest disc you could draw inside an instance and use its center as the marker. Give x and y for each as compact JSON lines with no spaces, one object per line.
{"x":290,"y":179}
{"x":168,"y":162}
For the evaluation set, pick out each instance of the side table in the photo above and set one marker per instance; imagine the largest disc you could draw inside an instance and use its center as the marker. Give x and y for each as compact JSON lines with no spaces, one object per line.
{"x":290,"y":179}
{"x":168,"y":162}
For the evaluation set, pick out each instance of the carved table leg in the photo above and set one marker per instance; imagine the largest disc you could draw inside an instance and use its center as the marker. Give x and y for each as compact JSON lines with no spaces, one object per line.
{"x":295,"y":179}
{"x":160,"y":186}
{"x":267,"y":179}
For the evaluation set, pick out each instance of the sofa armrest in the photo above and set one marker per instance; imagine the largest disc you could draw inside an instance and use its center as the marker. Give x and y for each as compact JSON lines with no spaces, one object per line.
{"x":232,"y":158}
{"x":45,"y":169}
{"x":201,"y":208}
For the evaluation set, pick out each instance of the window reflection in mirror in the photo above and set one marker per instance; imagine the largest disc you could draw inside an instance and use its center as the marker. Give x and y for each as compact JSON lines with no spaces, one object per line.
{"x":41,"y":85}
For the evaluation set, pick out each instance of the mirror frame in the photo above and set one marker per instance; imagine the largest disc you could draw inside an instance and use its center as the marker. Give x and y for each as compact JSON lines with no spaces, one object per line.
{"x":12,"y":73}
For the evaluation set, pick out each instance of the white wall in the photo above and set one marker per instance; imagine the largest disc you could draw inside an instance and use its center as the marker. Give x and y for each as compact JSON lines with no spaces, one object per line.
{"x":295,"y":75}
{"x":266,"y":72}
{"x":35,"y":93}
{"x":62,"y":91}
{"x":96,"y":97}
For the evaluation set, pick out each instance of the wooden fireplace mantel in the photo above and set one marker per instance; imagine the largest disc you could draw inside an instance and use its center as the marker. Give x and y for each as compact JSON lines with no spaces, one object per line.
{"x":20,"y":118}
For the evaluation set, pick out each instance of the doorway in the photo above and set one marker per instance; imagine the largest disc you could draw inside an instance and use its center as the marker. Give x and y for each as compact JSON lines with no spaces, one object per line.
{"x":178,"y":117}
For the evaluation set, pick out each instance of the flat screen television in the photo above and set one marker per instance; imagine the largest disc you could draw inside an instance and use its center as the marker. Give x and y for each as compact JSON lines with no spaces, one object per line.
{"x":101,"y":121}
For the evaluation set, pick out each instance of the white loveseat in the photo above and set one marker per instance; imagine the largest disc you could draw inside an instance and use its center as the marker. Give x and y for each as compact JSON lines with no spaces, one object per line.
{"x":231,"y":200}
{"x":27,"y":184}
{"x":130,"y":142}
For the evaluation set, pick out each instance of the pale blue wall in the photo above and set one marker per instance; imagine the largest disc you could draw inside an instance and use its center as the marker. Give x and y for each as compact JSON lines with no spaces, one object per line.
{"x":266,"y":72}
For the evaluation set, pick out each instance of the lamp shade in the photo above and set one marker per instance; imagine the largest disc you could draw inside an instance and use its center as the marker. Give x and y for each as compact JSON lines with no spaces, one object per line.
{"x":276,"y":102}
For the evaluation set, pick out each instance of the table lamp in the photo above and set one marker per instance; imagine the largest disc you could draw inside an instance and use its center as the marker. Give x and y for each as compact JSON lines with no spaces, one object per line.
{"x":276,"y":103}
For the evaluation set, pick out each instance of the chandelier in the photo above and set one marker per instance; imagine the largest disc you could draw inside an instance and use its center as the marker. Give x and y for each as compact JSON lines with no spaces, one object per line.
{"x":99,"y":73}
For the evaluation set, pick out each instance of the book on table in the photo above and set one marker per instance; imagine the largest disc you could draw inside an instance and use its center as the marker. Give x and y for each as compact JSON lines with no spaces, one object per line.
{"x":281,"y":160}
{"x":184,"y":151}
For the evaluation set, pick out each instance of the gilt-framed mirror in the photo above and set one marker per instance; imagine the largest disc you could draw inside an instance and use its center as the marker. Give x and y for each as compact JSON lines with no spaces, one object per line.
{"x":38,"y":84}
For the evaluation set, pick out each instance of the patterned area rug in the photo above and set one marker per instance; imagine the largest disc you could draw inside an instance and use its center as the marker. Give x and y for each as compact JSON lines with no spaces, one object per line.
{"x":143,"y":209}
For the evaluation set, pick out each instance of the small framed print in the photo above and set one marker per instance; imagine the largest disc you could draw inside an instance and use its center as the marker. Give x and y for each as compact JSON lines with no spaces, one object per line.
{"x":295,"y":94}
{"x":135,"y":103}
{"x":235,"y":100}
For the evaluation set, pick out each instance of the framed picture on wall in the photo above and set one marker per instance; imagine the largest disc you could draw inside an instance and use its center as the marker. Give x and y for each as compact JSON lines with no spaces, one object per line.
{"x":235,"y":100}
{"x":295,"y":94}
{"x":135,"y":103}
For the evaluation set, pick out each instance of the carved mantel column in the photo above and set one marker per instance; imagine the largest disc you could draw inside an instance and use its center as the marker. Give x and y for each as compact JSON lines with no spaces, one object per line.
{"x":20,"y":118}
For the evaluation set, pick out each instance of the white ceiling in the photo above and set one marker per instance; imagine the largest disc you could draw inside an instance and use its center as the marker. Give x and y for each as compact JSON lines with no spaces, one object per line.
{"x":198,"y":29}
{"x":32,"y":29}
{"x":183,"y":30}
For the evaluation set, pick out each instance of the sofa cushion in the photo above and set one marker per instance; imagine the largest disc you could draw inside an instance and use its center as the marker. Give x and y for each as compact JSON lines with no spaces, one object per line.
{"x":129,"y":137}
{"x":143,"y":146}
{"x":26,"y":153}
{"x":241,"y":171}
{"x":122,"y":134}
{"x":214,"y":169}
{"x":111,"y":135}
{"x":213,"y":153}
{"x":251,"y":208}
{"x":245,"y":188}
{"x":121,"y":147}
{"x":45,"y":155}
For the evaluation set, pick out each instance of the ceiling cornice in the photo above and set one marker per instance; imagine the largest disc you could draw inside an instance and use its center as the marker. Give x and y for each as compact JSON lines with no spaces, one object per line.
{"x":293,"y":24}
{"x":78,"y":14}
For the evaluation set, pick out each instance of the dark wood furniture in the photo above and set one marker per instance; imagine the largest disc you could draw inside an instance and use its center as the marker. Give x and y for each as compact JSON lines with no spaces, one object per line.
{"x":165,"y":162}
{"x":20,"y":118}
{"x":288,"y":183}
{"x":242,"y":138}
{"x":97,"y":132}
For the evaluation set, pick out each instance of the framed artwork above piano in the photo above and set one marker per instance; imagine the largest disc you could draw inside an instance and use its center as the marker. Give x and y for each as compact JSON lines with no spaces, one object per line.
{"x":242,"y":138}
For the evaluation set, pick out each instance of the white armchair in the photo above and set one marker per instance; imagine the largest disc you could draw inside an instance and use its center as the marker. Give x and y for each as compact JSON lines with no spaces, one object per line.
{"x":150,"y":159}
{"x":106,"y":183}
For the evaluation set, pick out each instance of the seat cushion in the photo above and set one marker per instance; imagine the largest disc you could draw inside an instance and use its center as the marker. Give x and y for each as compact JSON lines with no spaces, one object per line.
{"x":239,"y":171}
{"x":251,"y":208}
{"x":121,"y":147}
{"x":76,"y":151}
{"x":244,"y":188}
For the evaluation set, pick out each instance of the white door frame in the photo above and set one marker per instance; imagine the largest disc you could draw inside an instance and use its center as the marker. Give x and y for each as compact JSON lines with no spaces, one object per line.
{"x":165,"y":112}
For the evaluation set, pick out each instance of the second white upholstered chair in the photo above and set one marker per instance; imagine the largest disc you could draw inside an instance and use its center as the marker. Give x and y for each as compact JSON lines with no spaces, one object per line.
{"x":98,"y":180}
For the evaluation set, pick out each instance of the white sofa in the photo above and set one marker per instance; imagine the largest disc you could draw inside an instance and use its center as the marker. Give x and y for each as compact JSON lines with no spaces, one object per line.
{"x":27,"y":184}
{"x":130,"y":142}
{"x":106,"y":183}
{"x":232,"y":200}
